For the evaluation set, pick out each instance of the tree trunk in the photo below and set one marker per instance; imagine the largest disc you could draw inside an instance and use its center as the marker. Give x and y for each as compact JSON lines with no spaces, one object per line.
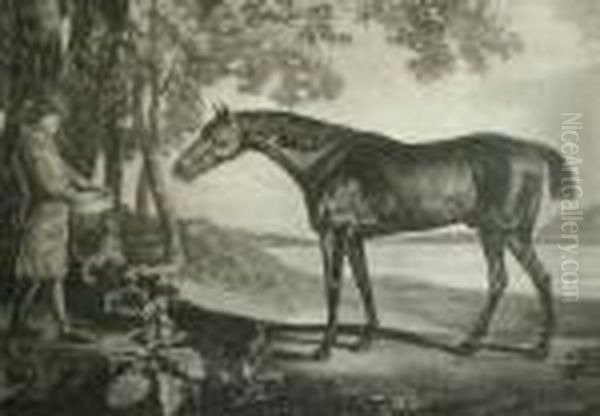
{"x":112,"y":245}
{"x":156,"y":179}
{"x":114,"y":162}
{"x":164,"y":207}
{"x":152,"y":158}
{"x":113,"y":144}
{"x":143,"y":197}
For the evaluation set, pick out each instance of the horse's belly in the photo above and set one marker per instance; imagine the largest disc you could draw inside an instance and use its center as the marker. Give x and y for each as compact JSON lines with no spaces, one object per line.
{"x":431,"y":197}
{"x":434,"y":195}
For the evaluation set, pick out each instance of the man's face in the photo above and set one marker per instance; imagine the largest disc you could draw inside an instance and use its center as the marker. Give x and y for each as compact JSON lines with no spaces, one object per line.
{"x":50,"y":123}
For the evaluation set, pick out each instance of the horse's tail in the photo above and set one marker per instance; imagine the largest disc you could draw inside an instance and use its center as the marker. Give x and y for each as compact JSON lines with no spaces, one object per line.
{"x":561,"y":175}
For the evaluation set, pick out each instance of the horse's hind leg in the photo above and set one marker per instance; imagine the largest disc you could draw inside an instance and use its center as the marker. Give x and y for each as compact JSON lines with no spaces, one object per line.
{"x":332,"y":251}
{"x":493,"y":243}
{"x":521,"y":245}
{"x":358,"y":264}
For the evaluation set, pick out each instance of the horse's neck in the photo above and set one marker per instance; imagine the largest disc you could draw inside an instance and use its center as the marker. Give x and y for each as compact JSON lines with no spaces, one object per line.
{"x":297,"y":151}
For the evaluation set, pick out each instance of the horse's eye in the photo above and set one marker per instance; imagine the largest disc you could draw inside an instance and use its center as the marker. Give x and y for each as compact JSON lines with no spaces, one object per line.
{"x":225,"y":145}
{"x":221,"y":141}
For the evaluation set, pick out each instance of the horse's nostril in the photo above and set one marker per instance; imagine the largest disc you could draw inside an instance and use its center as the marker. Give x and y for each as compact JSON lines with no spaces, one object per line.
{"x":176,"y":168}
{"x":179,"y":168}
{"x":185,"y":170}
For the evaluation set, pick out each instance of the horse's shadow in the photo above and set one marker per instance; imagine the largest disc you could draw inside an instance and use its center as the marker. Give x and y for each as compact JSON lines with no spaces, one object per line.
{"x":289,"y":341}
{"x":294,"y":335}
{"x":234,"y":336}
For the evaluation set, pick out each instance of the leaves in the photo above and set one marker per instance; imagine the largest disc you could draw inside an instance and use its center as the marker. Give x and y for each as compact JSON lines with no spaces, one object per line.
{"x":274,"y":48}
{"x":169,"y":370}
{"x":171,"y":393}
{"x":444,"y":35}
{"x":187,"y":363}
{"x":128,"y":390}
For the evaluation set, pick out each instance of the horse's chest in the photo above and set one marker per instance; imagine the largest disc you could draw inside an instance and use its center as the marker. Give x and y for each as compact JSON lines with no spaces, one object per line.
{"x":347,"y":202}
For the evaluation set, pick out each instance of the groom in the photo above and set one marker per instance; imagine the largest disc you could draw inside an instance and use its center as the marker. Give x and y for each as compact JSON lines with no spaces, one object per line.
{"x":53,"y":189}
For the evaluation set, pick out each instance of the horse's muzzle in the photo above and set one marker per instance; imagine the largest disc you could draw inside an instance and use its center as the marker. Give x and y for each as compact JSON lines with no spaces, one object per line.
{"x":182,"y":171}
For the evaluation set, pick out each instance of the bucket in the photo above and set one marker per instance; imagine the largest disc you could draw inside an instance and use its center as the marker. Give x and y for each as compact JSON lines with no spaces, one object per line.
{"x":92,"y":203}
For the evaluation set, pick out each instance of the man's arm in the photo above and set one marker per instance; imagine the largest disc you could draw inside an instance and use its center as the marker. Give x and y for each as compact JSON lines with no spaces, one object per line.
{"x":77,"y":179}
{"x":45,"y":166}
{"x":66,"y":27}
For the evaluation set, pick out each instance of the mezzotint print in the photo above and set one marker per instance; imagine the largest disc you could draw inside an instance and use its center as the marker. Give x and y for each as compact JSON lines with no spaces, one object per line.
{"x":299,"y":207}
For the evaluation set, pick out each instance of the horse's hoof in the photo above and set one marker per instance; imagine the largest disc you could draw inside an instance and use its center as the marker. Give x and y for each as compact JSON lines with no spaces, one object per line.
{"x":539,"y":351}
{"x":322,"y":353}
{"x":363,"y":345}
{"x":469,"y":347}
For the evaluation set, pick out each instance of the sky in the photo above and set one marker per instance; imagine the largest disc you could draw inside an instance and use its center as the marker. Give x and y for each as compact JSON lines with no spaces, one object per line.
{"x":556,"y":73}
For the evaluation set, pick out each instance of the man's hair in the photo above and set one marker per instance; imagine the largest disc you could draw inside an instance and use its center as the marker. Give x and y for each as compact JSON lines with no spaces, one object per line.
{"x":42,"y":105}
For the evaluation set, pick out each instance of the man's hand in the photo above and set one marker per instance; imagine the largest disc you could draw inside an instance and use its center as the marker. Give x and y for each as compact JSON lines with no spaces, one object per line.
{"x":93,"y":188}
{"x":92,"y":199}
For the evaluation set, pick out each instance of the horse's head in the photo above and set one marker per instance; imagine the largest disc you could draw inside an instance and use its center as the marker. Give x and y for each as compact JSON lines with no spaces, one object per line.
{"x":219,"y":141}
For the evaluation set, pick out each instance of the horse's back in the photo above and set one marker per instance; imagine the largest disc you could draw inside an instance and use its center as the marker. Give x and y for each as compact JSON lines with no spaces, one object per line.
{"x":382,"y":186}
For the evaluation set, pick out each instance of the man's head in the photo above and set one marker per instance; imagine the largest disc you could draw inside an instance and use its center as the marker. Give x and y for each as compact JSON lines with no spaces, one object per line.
{"x":50,"y":123}
{"x":44,"y":110}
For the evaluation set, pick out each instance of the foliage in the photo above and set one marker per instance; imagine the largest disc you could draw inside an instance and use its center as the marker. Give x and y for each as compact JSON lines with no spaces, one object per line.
{"x":5,"y":41}
{"x":443,"y":34}
{"x":164,"y":368}
{"x":277,"y":48}
{"x":272,"y":47}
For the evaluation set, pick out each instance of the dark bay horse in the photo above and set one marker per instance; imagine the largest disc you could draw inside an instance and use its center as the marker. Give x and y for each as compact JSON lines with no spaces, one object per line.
{"x":359,"y":184}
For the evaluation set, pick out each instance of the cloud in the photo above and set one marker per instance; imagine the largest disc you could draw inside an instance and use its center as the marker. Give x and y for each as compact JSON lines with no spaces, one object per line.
{"x":583,"y":14}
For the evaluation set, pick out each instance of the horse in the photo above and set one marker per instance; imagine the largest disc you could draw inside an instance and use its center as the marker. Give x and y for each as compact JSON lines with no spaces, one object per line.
{"x":358,"y":185}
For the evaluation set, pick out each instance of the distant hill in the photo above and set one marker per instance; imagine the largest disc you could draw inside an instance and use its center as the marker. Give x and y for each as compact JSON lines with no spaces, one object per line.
{"x":270,"y":239}
{"x":589,"y":233}
{"x":227,"y":270}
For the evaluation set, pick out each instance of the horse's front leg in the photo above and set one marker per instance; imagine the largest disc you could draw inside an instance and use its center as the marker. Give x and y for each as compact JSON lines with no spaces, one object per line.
{"x":332,"y":251}
{"x":358,"y":264}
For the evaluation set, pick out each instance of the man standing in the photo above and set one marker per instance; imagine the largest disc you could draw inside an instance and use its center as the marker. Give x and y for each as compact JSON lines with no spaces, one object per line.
{"x":53,"y":189}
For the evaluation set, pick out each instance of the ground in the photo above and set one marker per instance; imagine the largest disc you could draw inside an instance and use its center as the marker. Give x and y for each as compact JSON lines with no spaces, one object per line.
{"x":234,"y":293}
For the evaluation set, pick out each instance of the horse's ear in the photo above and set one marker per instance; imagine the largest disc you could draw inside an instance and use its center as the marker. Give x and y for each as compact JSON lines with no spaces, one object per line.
{"x":225,"y":112}
{"x":217,"y":109}
{"x":221,"y":110}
